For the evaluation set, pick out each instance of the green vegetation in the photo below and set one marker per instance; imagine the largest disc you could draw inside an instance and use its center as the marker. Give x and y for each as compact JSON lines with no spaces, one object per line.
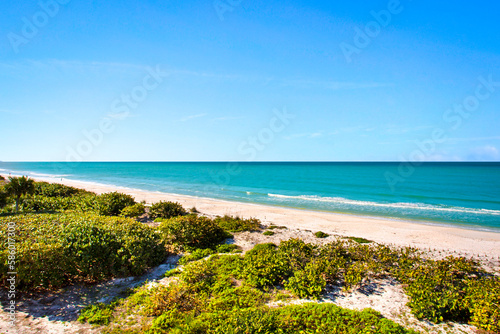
{"x":99,"y":314}
{"x":54,"y":250}
{"x":192,"y":231}
{"x":83,"y":240}
{"x":229,"y":293}
{"x":166,"y":210}
{"x":19,"y":186}
{"x":108,"y":204}
{"x":237,"y":224}
{"x":3,"y":197}
{"x":227,"y":248}
{"x":133,"y":211}
{"x":320,"y":234}
{"x":360,"y":240}
{"x":268,"y":233}
{"x":46,"y":189}
{"x":273,"y":227}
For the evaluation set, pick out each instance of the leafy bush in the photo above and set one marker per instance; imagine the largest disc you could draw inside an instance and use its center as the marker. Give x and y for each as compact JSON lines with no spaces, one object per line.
{"x":437,"y":288}
{"x":196,"y":255}
{"x":111,"y":204}
{"x":295,"y":253}
{"x":227,"y":248}
{"x":39,"y":203}
{"x":166,"y":298}
{"x":172,"y":272}
{"x":166,"y":210}
{"x":264,"y":268}
{"x":360,"y":240}
{"x":99,"y":314}
{"x":56,"y":190}
{"x":107,"y":204}
{"x":237,"y":224}
{"x":307,"y":283}
{"x":306,"y":318}
{"x":133,"y":211}
{"x":55,"y":249}
{"x":192,"y":231}
{"x":3,"y":197}
{"x":483,"y":302}
{"x":268,"y":233}
{"x":320,"y":234}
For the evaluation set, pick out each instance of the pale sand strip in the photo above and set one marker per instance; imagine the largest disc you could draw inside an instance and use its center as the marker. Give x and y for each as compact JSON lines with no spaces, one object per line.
{"x":398,"y":233}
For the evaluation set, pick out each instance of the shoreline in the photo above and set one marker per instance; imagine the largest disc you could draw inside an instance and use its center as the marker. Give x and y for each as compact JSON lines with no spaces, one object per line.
{"x":447,"y":239}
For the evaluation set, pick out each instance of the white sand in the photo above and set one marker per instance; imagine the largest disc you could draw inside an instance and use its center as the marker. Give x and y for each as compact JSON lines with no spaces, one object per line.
{"x":445,"y":239}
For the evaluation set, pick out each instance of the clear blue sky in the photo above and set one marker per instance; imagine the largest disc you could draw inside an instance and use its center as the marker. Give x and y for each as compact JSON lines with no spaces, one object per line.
{"x":226,"y":69}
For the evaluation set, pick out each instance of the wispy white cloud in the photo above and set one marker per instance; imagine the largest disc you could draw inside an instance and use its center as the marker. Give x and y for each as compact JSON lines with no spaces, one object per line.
{"x":334,"y":85}
{"x":78,"y":66}
{"x":399,"y":130}
{"x":484,"y":153}
{"x":227,"y":118}
{"x":71,"y":65}
{"x":304,"y":135}
{"x":472,"y":139}
{"x":190,"y":117}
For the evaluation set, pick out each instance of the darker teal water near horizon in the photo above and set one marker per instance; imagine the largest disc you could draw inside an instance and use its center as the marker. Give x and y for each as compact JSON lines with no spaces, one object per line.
{"x":464,"y":194}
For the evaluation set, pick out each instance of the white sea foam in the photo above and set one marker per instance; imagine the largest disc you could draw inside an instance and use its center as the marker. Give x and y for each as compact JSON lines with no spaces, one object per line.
{"x":401,"y":205}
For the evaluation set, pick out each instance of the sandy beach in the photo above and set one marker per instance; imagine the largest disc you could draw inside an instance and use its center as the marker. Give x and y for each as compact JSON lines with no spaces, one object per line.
{"x":444,"y":239}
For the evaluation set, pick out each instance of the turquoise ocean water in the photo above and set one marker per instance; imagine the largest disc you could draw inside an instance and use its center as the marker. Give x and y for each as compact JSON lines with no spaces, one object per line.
{"x":465,"y":194}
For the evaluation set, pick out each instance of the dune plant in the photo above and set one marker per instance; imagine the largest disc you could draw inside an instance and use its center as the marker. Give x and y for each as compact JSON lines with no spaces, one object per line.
{"x":192,"y":231}
{"x":166,"y":210}
{"x":133,"y":211}
{"x":19,"y":186}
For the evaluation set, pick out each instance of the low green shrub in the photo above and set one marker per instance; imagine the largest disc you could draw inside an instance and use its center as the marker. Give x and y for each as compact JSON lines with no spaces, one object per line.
{"x":237,"y":224}
{"x":264,"y":267}
{"x":39,"y":203}
{"x":192,"y":231}
{"x":268,"y":233}
{"x":55,"y":249}
{"x":320,"y":234}
{"x":133,"y":211}
{"x":165,"y":298}
{"x":483,"y":303}
{"x":308,"y":282}
{"x":306,"y":318}
{"x":107,"y":204}
{"x":46,"y":189}
{"x":360,"y":240}
{"x":3,"y":197}
{"x":437,"y":289}
{"x":172,"y":272}
{"x":196,"y":255}
{"x":98,"y":314}
{"x":111,"y":204}
{"x":227,"y":248}
{"x":166,"y":210}
{"x":296,"y":254}
{"x":274,"y":227}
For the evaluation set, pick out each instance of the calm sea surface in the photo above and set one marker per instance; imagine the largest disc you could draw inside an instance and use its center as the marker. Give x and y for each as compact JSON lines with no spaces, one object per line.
{"x":466,"y":194}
